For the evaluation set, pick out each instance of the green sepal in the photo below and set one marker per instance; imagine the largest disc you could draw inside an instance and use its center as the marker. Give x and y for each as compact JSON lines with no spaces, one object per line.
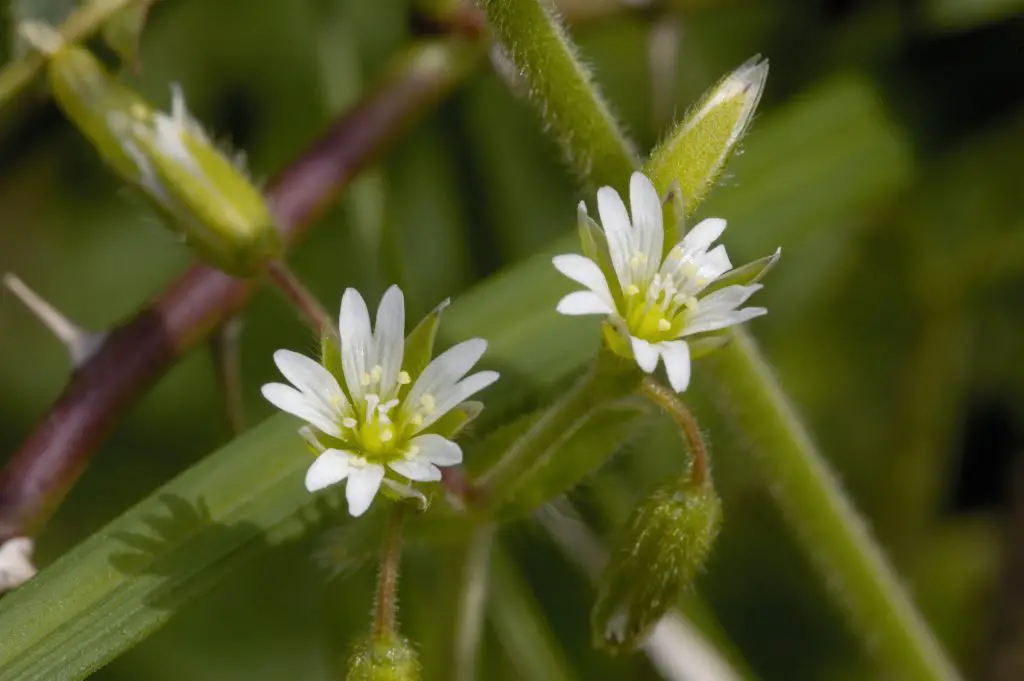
{"x":594,"y":244}
{"x":674,"y":216}
{"x":456,"y":420}
{"x":751,"y":273}
{"x":419,"y":345}
{"x":704,"y":344}
{"x":330,"y":358}
{"x":656,"y":556}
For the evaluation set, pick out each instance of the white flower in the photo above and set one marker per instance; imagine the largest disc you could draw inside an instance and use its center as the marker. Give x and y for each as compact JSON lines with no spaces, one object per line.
{"x":657,"y":296}
{"x":374,"y":424}
{"x":16,"y":566}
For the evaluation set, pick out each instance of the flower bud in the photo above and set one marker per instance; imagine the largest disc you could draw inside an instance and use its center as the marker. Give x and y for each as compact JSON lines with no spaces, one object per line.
{"x":695,"y":153}
{"x":659,"y":552}
{"x":210,"y":202}
{"x":386,"y":658}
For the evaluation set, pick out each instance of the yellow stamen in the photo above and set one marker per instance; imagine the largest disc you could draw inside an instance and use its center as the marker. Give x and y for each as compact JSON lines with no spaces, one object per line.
{"x":404,"y":378}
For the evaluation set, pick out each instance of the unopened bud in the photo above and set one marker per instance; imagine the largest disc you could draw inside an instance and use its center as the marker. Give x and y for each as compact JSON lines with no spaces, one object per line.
{"x":658,"y":554}
{"x":386,"y":658}
{"x":696,"y":151}
{"x":209,"y":201}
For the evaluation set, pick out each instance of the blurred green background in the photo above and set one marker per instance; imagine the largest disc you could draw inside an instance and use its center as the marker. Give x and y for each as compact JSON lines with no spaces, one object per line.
{"x":887,"y":160}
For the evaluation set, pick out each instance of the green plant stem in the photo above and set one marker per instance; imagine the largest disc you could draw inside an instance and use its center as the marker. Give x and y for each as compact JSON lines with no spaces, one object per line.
{"x":472,"y":603}
{"x":823,"y":518}
{"x":81,"y":24}
{"x":829,"y":527}
{"x":700,"y":467}
{"x":560,"y":87}
{"x":385,"y":604}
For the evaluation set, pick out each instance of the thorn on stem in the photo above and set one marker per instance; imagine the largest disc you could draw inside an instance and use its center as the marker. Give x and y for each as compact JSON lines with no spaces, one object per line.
{"x":80,"y":343}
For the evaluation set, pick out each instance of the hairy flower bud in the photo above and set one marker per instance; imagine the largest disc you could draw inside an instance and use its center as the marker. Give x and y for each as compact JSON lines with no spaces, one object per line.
{"x":659,"y":552}
{"x":210,"y":202}
{"x":387,"y":658}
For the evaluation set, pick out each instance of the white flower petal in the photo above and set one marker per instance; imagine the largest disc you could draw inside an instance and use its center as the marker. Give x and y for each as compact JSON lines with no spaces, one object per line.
{"x":311,"y":378}
{"x":676,"y":356}
{"x":356,"y":341}
{"x":449,"y":396}
{"x":416,"y":470}
{"x":583,"y":303}
{"x":645,"y":353}
{"x":724,"y":320}
{"x":649,"y":231}
{"x":445,"y":370}
{"x":406,"y":491}
{"x":330,"y":468}
{"x":389,"y":338}
{"x":437,"y":449}
{"x":584,"y":271}
{"x":616,"y":225}
{"x":726,"y":299}
{"x":361,"y":488}
{"x":703,"y":235}
{"x":714,"y":264}
{"x":287,"y":398}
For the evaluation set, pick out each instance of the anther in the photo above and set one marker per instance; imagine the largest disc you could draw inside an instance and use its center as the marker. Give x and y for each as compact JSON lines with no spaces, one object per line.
{"x":404,"y":378}
{"x":429,"y":403}
{"x":664,"y":325}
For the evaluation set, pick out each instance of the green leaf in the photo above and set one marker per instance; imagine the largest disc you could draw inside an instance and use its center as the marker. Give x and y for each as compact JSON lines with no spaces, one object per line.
{"x":419,"y":344}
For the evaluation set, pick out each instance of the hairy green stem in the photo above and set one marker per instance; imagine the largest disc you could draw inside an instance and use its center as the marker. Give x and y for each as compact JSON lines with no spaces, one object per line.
{"x":560,"y":87}
{"x":829,"y":527}
{"x":824,"y":519}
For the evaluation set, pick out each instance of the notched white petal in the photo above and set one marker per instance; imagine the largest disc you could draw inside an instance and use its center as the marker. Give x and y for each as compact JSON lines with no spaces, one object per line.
{"x":583,"y":303}
{"x":389,"y":337}
{"x":584,"y":271}
{"x":705,"y":233}
{"x":646,"y":355}
{"x":356,"y":340}
{"x":676,"y":356}
{"x":288,"y":399}
{"x":362,"y":486}
{"x":416,"y":470}
{"x":437,"y":449}
{"x":330,"y":468}
{"x":649,"y":231}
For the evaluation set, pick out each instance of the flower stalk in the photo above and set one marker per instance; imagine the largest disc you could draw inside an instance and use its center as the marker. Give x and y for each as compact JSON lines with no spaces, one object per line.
{"x":385,"y":605}
{"x":307,"y":305}
{"x":700,"y":466}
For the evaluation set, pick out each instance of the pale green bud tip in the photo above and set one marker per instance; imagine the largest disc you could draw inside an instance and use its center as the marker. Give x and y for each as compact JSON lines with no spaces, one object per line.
{"x":659,"y":552}
{"x":389,"y":658}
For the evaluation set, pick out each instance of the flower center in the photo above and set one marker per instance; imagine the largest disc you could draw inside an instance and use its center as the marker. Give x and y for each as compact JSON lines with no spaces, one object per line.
{"x":657,"y":310}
